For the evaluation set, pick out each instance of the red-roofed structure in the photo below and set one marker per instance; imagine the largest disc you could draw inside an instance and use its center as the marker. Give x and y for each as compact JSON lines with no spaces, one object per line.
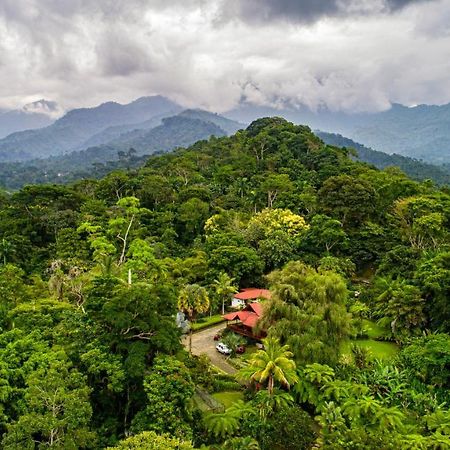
{"x":249,"y":294}
{"x":245,"y":321}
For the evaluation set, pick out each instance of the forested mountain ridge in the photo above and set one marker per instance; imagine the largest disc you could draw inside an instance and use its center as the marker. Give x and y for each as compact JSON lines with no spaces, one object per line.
{"x":420,"y":132}
{"x":126,"y":150}
{"x":270,"y":206}
{"x":415,"y":169}
{"x":78,"y":125}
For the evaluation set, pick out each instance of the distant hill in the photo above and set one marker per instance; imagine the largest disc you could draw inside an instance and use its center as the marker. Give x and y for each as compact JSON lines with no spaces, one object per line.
{"x":33,"y":115}
{"x":421,"y":132}
{"x":177,"y":131}
{"x":77,"y":126}
{"x":415,"y":169}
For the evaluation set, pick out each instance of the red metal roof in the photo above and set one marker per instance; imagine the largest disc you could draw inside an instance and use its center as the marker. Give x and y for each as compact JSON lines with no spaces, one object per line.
{"x":251,"y":320}
{"x":249,"y":316}
{"x":255,"y":307}
{"x":231,"y":316}
{"x":252,"y":293}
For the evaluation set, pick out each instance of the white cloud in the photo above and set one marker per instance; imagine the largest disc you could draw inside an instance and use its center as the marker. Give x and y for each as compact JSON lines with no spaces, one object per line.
{"x":354,"y":56}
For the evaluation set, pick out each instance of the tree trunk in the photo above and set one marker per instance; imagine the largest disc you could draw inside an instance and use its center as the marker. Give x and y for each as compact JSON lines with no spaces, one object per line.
{"x":223,"y":307}
{"x":270,"y":385}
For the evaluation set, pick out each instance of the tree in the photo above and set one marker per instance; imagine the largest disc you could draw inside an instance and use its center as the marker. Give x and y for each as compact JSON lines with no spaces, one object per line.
{"x":428,"y":358}
{"x":326,"y":233}
{"x":271,"y":365}
{"x":241,"y":263}
{"x":192,"y":300}
{"x":227,"y":423}
{"x":7,"y":250}
{"x":351,"y":200}
{"x":401,"y":306}
{"x":57,"y":413}
{"x":307,"y":311}
{"x":169,"y":389}
{"x":274,"y":185}
{"x":433,"y":278}
{"x":290,"y":428}
{"x":193,"y":214}
{"x":224,"y":288}
{"x":149,"y":440}
{"x":120,"y":226}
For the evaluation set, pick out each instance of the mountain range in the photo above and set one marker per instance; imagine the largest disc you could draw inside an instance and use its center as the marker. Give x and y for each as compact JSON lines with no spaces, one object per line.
{"x":421,"y":132}
{"x":97,"y":135}
{"x":73,"y":130}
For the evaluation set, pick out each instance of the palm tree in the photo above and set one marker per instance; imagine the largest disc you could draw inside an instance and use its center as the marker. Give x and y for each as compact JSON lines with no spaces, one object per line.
{"x":221,"y":425}
{"x":273,"y":364}
{"x":224,"y":288}
{"x":268,"y":403}
{"x":192,"y":300}
{"x":240,"y":443}
{"x":227,"y":423}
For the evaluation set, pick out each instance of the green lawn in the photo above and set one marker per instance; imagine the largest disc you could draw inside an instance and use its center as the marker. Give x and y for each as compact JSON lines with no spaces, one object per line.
{"x":378,"y":349}
{"x":228,"y":398}
{"x":374,"y":330}
{"x":206,"y":322}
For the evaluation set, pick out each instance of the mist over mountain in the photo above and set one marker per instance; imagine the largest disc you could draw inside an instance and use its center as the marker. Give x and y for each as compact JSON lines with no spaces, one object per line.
{"x":33,"y":115}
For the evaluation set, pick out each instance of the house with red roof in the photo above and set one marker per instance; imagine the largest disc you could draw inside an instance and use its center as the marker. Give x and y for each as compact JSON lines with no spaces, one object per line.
{"x":244,"y":322}
{"x":248,"y":295}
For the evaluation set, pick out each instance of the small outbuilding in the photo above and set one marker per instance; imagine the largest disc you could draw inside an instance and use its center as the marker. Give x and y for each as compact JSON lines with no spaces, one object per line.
{"x":248,"y":295}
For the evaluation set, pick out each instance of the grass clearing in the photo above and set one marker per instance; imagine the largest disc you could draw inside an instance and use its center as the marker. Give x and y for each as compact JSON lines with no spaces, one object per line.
{"x":374,"y":330}
{"x":228,"y":398}
{"x":378,"y":349}
{"x":206,"y":322}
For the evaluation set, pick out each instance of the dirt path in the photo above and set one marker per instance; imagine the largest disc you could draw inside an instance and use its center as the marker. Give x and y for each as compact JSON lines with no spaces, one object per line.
{"x":203,"y":342}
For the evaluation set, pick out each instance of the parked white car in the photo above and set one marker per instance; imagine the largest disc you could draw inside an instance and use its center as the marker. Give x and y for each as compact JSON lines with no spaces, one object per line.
{"x":222,"y":348}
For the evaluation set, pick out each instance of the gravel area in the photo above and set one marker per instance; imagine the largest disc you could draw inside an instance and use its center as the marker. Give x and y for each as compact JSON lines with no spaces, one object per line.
{"x":203,"y":343}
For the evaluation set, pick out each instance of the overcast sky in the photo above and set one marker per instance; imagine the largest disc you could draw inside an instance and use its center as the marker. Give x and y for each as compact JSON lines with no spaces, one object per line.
{"x":351,"y":55}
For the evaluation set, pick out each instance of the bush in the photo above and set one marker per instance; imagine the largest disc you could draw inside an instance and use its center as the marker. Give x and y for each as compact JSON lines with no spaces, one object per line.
{"x":222,"y":385}
{"x":288,"y":429}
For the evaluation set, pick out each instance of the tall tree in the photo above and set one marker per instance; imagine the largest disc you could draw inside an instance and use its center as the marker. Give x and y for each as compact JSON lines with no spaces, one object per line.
{"x":224,"y":288}
{"x":192,"y":300}
{"x":308,"y":312}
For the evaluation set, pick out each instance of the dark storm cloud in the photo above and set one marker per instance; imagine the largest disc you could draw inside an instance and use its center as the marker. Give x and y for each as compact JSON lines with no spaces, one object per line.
{"x":308,"y":10}
{"x":351,"y":55}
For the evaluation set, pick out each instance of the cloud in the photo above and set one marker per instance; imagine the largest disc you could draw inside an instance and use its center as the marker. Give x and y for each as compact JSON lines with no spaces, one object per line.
{"x":308,"y":10}
{"x":343,"y":54}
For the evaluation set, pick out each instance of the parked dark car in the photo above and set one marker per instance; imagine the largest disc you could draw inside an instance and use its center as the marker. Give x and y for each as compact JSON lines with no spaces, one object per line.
{"x":240,"y":349}
{"x":217,"y":336}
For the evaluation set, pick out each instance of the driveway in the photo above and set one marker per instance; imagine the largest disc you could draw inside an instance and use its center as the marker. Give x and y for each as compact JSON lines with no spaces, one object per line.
{"x":203,"y":343}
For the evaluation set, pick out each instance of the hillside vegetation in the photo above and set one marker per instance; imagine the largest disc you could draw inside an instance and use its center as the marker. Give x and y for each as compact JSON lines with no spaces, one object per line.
{"x":126,"y":149}
{"x":91,"y":358}
{"x":417,"y":170}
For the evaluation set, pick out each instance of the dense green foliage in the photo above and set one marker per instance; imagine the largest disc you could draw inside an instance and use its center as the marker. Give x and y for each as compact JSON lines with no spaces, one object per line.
{"x":92,"y":276}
